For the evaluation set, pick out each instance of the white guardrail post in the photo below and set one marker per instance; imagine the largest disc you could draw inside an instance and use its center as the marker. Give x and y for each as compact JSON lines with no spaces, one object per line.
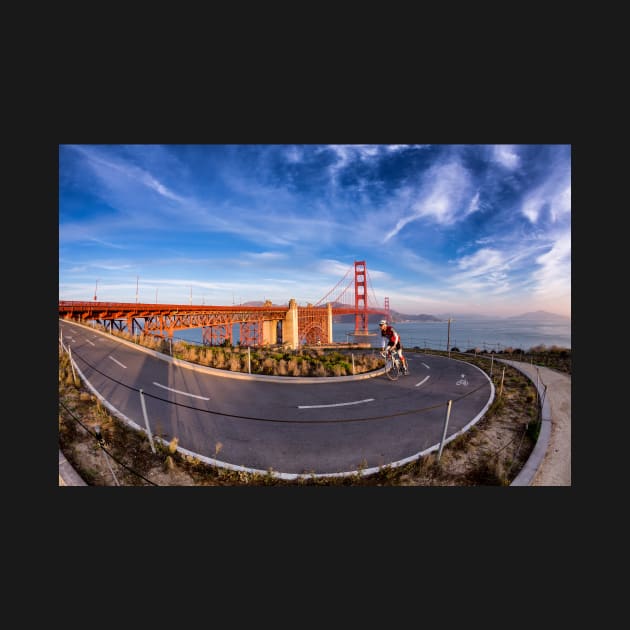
{"x":146,"y":420}
{"x":448,"y":413}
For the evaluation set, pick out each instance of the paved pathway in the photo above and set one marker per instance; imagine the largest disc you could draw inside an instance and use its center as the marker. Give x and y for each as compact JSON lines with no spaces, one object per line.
{"x":555,"y":467}
{"x":553,"y":470}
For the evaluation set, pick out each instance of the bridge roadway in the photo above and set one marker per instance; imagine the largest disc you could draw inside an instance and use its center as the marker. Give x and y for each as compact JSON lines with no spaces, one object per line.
{"x":292,"y":425}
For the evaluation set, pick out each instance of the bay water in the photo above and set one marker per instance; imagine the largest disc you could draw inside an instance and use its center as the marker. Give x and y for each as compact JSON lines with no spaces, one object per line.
{"x":492,"y":335}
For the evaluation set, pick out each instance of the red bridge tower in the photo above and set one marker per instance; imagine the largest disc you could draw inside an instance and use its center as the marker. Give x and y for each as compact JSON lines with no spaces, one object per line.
{"x":360,"y":299}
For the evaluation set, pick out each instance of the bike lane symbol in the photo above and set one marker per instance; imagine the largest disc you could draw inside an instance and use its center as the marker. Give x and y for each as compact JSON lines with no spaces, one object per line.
{"x":462,"y":380}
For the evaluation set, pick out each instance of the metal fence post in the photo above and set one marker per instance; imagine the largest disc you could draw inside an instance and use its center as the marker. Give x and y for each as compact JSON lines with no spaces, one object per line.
{"x":146,"y":420}
{"x":249,"y":361}
{"x":448,"y":413}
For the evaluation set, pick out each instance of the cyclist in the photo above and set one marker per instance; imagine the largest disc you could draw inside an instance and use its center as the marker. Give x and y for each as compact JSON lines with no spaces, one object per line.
{"x":393,"y":342}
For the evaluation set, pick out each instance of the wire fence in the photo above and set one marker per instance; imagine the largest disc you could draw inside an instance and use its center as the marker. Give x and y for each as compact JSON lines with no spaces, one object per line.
{"x":148,"y":423}
{"x":138,"y":425}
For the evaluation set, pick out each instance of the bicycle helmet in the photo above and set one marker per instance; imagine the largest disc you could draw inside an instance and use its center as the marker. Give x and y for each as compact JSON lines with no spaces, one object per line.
{"x":383,"y":321}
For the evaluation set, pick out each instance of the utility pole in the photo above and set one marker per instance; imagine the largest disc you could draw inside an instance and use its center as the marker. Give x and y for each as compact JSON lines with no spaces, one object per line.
{"x":136,"y":289}
{"x":156,"y":294}
{"x":95,"y":288}
{"x":191,"y":294}
{"x":448,"y":338}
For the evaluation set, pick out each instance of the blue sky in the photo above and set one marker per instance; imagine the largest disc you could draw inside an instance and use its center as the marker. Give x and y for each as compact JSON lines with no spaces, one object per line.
{"x":443,"y":229}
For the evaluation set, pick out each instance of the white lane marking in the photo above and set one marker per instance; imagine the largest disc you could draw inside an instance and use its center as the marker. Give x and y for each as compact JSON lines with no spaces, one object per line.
{"x":119,"y":363}
{"x":177,"y":391}
{"x":426,"y":378}
{"x":356,"y":402}
{"x":426,"y":366}
{"x":91,"y":343}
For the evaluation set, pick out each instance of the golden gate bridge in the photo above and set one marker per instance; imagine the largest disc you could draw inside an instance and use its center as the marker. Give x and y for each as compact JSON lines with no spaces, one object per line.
{"x":257,"y":325}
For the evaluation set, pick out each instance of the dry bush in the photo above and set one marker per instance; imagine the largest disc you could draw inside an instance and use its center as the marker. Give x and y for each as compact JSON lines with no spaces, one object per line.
{"x":190,"y":354}
{"x":218,"y":359}
{"x":154,"y":343}
{"x":205,"y":357}
{"x":320,"y":370}
{"x":179,"y":347}
{"x":268,"y":366}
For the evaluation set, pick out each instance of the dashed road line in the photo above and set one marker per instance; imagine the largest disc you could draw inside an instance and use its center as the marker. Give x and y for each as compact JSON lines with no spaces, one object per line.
{"x":177,"y":391}
{"x":356,"y":402}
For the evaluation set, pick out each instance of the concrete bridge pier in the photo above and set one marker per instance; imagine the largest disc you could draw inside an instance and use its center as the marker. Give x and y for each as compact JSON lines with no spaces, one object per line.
{"x":290,"y":332}
{"x":329,"y":322}
{"x":269,"y":332}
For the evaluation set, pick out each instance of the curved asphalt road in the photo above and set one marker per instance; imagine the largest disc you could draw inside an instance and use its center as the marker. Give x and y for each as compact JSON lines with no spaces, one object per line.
{"x":292,"y":426}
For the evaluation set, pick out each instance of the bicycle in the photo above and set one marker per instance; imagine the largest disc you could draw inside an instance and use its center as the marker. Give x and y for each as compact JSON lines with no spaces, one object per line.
{"x":393,"y":364}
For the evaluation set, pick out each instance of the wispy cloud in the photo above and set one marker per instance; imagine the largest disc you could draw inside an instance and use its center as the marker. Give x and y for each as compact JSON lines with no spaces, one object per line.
{"x":506,"y":156}
{"x":444,"y":195}
{"x":119,"y":173}
{"x":437,"y":224}
{"x":553,"y":275}
{"x":551,"y":200}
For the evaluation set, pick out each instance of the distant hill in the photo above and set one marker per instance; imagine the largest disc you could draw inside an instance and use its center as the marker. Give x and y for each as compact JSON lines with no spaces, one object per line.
{"x":540,"y":315}
{"x":395,"y":317}
{"x":455,"y":316}
{"x":398,"y":317}
{"x":422,"y":317}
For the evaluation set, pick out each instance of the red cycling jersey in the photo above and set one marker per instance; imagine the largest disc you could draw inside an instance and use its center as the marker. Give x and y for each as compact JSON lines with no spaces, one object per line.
{"x":392,"y":336}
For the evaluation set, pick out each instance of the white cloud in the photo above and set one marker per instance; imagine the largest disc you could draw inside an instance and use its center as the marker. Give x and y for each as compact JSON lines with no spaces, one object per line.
{"x":554,"y":275}
{"x":107,"y":169}
{"x":473,"y":206}
{"x":554,"y":195}
{"x":505,"y":155}
{"x":445,"y":196}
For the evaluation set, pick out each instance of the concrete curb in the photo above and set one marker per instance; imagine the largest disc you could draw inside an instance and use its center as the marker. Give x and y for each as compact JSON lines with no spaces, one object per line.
{"x":526,"y":475}
{"x":287,"y":380}
{"x":68,"y":476}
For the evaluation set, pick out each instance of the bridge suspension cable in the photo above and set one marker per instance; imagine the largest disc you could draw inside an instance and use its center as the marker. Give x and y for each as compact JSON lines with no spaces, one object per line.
{"x":371,"y":285}
{"x":346,"y":294}
{"x":332,"y":291}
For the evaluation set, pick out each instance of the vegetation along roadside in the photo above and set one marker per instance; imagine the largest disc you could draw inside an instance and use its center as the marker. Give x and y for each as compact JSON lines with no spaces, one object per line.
{"x":106,"y":452}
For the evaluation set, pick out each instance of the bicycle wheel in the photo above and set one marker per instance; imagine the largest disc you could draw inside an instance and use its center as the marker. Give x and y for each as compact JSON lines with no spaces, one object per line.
{"x":391,"y":369}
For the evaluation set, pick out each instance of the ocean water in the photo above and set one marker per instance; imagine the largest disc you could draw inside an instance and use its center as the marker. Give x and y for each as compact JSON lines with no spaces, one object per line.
{"x":484,"y":334}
